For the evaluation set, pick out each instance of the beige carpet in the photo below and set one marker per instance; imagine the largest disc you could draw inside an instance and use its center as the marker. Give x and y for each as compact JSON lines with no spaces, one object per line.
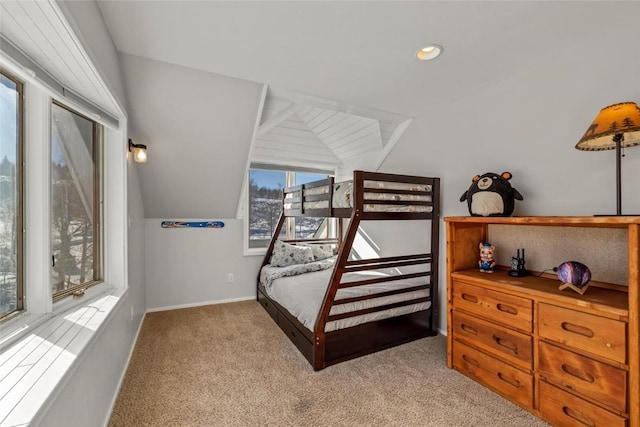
{"x":230,"y":365}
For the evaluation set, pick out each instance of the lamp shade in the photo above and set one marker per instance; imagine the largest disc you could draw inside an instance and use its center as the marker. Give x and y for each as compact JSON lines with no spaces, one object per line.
{"x":618,"y":119}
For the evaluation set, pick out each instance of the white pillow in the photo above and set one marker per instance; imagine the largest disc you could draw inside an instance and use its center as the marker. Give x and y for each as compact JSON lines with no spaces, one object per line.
{"x":285,"y":254}
{"x":321,"y":251}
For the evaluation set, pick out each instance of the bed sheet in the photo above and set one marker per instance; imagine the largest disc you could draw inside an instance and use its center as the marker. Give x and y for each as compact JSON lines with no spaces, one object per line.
{"x":302,"y":296}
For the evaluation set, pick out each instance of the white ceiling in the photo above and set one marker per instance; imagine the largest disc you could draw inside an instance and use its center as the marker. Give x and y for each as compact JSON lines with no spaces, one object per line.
{"x":355,"y":55}
{"x":357,"y":52}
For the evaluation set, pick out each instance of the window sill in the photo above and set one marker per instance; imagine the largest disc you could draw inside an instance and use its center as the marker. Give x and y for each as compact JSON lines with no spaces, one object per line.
{"x":24,"y":322}
{"x":255,"y":252}
{"x":40,"y":359}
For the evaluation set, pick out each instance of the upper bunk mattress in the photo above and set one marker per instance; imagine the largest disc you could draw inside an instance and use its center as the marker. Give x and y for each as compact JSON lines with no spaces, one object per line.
{"x":343,"y":197}
{"x":302,"y":295}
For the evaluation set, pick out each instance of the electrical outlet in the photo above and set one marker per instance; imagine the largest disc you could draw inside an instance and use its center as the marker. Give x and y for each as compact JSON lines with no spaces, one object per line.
{"x":230,"y":278}
{"x":131,"y":312}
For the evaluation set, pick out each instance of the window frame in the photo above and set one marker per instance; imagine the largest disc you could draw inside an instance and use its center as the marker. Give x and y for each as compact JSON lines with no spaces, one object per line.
{"x":289,"y":227}
{"x":38,"y":305}
{"x":19,"y":195}
{"x":98,"y":144}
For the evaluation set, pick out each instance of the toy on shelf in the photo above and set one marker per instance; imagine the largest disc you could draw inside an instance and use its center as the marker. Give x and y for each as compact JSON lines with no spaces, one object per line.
{"x":491,"y":195}
{"x":486,"y":263}
{"x":517,"y":265}
{"x":575,"y":276}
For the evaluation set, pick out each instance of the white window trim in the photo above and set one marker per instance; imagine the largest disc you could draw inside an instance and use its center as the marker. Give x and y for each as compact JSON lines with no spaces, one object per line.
{"x":38,"y":304}
{"x":245,"y":238}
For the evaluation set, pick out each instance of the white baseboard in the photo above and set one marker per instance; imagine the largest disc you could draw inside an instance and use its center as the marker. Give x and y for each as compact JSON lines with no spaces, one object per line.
{"x":442,"y":332}
{"x":199,"y":304}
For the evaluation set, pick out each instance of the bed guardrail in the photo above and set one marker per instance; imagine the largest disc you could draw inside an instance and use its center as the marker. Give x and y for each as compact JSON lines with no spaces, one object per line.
{"x":378,"y":264}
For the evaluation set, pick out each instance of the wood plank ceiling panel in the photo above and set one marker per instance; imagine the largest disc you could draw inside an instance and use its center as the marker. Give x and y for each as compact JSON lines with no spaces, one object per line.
{"x":322,"y":132}
{"x":39,"y":30}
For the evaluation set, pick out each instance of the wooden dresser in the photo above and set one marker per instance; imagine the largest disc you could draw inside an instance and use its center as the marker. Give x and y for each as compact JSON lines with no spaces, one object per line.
{"x":572,"y":360}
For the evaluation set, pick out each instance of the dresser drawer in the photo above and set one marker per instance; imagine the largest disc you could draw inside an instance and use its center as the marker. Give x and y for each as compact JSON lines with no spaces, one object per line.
{"x":495,"y":306}
{"x":506,"y":380}
{"x":563,"y":409}
{"x":596,"y":380}
{"x":593,"y":334}
{"x":513,"y":346}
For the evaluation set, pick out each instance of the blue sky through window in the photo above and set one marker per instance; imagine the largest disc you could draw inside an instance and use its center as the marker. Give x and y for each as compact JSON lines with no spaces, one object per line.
{"x":269,"y":179}
{"x":277,"y":179}
{"x":8,"y":119}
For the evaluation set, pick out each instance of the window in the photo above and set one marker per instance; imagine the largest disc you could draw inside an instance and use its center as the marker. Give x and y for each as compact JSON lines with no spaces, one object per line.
{"x":306,"y":227}
{"x":265,"y":206}
{"x":63,"y":222}
{"x":75,"y":201}
{"x":11,"y":275}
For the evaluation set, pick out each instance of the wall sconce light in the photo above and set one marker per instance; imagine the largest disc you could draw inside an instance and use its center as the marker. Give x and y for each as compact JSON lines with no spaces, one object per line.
{"x":139,"y":152}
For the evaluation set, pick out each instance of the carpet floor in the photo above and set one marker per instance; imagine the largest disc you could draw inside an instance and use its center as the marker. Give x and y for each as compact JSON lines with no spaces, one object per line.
{"x":230,"y":365}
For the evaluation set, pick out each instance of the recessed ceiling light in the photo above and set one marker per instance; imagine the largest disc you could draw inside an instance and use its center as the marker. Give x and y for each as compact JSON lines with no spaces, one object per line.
{"x":429,"y":52}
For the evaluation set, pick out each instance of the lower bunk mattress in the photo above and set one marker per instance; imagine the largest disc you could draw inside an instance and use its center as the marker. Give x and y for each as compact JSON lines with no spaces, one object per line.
{"x":302,"y":295}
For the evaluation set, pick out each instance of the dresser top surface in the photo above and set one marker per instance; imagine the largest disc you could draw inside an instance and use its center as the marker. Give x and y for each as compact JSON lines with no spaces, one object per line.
{"x":577,"y":221}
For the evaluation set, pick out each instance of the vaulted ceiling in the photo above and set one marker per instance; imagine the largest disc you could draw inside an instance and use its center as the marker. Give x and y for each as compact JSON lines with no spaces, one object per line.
{"x":340,"y":79}
{"x":213,"y":86}
{"x":310,"y":132}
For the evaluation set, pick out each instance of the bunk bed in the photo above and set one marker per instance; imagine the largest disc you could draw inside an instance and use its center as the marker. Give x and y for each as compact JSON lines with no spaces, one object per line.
{"x":335,"y":306}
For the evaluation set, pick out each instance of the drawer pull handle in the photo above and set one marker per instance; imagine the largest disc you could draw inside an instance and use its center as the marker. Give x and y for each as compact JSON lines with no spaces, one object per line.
{"x":470,"y":298}
{"x":578,"y":373}
{"x":514,"y":382}
{"x":577,"y":329}
{"x":470,"y":360}
{"x":469,"y":329}
{"x":507,"y":309}
{"x":506,"y":344}
{"x":578,"y":416}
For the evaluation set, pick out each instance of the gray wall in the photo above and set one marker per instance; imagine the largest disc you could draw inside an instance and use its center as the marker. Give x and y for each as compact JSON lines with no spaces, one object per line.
{"x":528,"y":124}
{"x":190,"y":266}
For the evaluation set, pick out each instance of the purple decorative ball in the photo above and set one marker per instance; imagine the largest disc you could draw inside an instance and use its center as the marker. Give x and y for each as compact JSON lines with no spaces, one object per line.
{"x":575,"y":273}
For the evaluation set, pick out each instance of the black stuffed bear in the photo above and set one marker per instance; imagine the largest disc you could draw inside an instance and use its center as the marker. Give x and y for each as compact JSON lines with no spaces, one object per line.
{"x":491,"y":195}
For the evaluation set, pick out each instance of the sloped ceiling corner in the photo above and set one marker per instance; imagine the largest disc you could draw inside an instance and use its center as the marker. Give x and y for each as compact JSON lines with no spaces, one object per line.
{"x":311,"y":132}
{"x":198,"y":128}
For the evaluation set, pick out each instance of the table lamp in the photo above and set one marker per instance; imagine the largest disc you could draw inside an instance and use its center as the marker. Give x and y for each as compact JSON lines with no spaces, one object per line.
{"x":616,"y":126}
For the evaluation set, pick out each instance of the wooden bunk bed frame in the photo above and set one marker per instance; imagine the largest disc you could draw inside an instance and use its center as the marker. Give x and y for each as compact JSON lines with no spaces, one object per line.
{"x":322,"y":348}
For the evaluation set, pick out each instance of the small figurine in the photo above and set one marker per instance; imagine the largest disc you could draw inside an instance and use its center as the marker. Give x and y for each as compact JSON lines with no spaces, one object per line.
{"x":486,"y":262}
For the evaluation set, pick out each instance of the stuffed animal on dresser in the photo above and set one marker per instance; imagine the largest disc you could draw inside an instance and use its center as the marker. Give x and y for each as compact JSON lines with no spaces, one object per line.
{"x":491,"y":195}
